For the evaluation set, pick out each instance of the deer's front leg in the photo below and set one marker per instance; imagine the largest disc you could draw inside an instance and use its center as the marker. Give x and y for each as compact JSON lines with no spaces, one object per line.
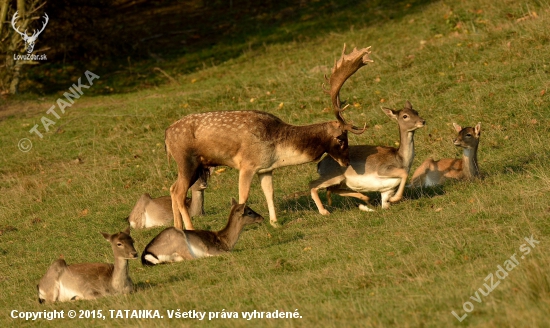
{"x":403,"y":174}
{"x":318,"y":203}
{"x":266,"y":180}
{"x":319,"y":184}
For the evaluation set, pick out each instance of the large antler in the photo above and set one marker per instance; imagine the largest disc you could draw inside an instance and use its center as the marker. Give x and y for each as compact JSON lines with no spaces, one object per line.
{"x":15,"y":17}
{"x":36,"y":34}
{"x":345,"y":67}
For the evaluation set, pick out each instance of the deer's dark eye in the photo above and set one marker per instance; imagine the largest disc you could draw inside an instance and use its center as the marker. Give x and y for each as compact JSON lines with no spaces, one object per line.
{"x":468,"y":135}
{"x":405,"y":116}
{"x":119,"y":244}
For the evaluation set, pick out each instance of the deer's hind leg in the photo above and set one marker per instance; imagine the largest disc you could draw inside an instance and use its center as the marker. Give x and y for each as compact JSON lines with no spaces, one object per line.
{"x":349,"y":193}
{"x":48,"y":287}
{"x":187,"y":174}
{"x":246,"y":175}
{"x":386,"y":195}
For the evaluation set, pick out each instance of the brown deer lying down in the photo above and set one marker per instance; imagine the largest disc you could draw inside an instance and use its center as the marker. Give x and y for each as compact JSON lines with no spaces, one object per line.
{"x":256,"y":142}
{"x":87,"y":281}
{"x":153,"y":212}
{"x":431,"y":173}
{"x":372,"y":168}
{"x":174,"y":245}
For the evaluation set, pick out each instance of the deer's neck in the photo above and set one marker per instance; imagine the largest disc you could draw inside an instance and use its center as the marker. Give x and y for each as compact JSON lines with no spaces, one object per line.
{"x":469,"y":159}
{"x":229,"y":235}
{"x":301,"y":144}
{"x":406,"y":148}
{"x":120,"y":279}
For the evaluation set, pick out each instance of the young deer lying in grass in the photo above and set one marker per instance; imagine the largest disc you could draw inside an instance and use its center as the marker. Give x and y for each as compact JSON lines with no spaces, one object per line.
{"x":256,"y":142}
{"x":372,"y":168}
{"x":174,"y":245}
{"x":432,"y":173}
{"x":87,"y":281}
{"x":153,"y":212}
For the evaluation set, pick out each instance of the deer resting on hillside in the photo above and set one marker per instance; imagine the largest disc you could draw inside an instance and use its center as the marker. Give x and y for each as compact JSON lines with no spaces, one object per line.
{"x":431,"y":173}
{"x":153,"y":212}
{"x":174,"y":245}
{"x":256,"y":142}
{"x":372,"y":168}
{"x":88,"y":281}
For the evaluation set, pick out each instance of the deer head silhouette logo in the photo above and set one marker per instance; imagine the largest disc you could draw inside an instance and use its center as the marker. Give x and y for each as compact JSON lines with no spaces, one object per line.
{"x":29,"y":40}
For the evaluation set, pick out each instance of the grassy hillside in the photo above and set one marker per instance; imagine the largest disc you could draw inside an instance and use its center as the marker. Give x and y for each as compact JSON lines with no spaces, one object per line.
{"x":412,"y":265}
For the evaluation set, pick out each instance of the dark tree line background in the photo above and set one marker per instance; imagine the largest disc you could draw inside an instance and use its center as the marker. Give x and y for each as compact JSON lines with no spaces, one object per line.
{"x":105,"y":36}
{"x":88,"y":29}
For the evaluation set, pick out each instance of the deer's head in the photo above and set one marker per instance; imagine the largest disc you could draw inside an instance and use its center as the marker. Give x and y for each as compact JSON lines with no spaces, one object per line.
{"x":122,"y":244}
{"x":407,"y":118}
{"x":468,"y":137}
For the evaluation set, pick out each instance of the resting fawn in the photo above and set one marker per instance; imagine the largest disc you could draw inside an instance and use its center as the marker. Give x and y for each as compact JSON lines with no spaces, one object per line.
{"x":432,"y":173}
{"x":153,"y":212}
{"x":372,"y":168}
{"x":174,"y":245}
{"x":87,"y":281}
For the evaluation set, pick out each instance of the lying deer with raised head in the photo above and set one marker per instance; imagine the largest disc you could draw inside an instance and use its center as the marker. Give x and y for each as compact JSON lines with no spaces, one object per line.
{"x":372,"y":168}
{"x":153,"y":212}
{"x":256,"y":142}
{"x":174,"y":245}
{"x":87,"y":281}
{"x":431,"y":173}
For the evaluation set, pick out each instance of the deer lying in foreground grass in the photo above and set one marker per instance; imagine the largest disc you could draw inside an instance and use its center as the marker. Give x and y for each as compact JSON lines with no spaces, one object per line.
{"x":174,"y":245}
{"x":372,"y":168}
{"x":153,"y":212}
{"x":256,"y":142}
{"x":88,"y":281}
{"x":431,"y":173}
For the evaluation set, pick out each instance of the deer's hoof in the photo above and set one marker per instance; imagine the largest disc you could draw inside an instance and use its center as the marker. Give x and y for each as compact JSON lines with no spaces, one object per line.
{"x":365,"y":208}
{"x":324,"y":212}
{"x":394,"y":199}
{"x":275,"y":224}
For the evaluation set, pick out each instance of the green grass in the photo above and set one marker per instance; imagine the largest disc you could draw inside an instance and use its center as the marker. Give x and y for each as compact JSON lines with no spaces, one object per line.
{"x":456,"y":61}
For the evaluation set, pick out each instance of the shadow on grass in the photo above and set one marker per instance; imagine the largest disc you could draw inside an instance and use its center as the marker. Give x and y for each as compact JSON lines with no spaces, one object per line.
{"x":144,"y":286}
{"x":146,"y":44}
{"x":302,"y":201}
{"x":522,"y":163}
{"x":423,"y":192}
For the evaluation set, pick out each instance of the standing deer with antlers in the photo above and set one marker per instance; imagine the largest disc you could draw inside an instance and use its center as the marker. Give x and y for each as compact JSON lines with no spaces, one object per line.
{"x":30,"y":40}
{"x":256,"y":142}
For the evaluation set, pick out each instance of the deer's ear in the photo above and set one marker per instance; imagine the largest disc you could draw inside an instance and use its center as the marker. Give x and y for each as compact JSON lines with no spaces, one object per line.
{"x":106,"y":236}
{"x":390,"y":112}
{"x":233,"y":201}
{"x":127,"y":230}
{"x":477,"y":129}
{"x":408,"y":105}
{"x":458,"y":128}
